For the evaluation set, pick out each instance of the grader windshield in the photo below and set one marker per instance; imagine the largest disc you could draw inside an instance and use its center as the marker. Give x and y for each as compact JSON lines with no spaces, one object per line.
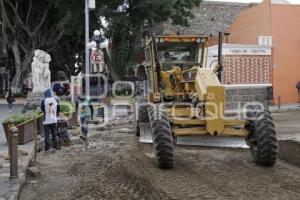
{"x":173,"y":60}
{"x":185,"y":51}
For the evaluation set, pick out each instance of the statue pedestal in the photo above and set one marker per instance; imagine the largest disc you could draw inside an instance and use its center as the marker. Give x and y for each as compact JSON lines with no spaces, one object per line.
{"x":34,"y":100}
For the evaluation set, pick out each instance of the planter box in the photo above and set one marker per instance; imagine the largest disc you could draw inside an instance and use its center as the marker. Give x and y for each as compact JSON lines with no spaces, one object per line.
{"x":26,"y":131}
{"x":73,"y":121}
{"x":6,"y":130}
{"x":40,"y":125}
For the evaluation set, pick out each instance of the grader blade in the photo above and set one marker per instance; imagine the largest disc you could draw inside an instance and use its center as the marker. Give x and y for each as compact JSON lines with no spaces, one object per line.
{"x":211,"y":141}
{"x":207,"y":141}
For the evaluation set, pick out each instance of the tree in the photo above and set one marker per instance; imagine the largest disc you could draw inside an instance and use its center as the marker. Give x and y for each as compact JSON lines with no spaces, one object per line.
{"x":28,"y":25}
{"x":126,"y":19}
{"x":73,"y":41}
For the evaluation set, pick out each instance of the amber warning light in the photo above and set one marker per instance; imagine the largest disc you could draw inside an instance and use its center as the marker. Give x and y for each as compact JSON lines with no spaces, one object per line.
{"x":178,"y":39}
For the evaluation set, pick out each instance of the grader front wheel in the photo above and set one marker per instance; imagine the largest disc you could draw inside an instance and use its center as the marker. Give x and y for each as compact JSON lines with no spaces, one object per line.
{"x":162,"y":139}
{"x":263,"y":141}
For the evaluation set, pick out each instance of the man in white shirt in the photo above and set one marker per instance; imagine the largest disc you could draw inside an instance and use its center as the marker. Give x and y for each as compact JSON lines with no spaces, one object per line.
{"x":50,"y":107}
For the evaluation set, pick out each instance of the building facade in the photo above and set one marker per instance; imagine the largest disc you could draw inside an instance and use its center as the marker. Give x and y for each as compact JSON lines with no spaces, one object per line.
{"x":247,"y":74}
{"x":276,"y":24}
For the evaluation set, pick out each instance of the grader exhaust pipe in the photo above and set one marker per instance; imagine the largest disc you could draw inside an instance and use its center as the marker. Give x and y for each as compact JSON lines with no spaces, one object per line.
{"x":220,"y":48}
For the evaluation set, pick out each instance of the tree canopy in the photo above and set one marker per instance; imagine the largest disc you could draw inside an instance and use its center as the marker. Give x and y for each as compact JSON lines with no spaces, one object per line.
{"x":57,"y":26}
{"x":126,"y":19}
{"x":27,"y":25}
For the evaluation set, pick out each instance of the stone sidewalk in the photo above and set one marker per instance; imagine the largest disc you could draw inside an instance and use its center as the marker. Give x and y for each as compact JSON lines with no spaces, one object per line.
{"x":10,"y":188}
{"x":286,"y":108}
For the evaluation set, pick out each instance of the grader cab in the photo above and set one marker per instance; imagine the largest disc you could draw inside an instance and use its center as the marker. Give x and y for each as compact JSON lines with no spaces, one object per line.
{"x":186,"y":99}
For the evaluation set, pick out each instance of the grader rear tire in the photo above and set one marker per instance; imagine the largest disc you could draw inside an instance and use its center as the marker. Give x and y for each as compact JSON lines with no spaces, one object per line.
{"x":163,"y":141}
{"x":264,"y":146}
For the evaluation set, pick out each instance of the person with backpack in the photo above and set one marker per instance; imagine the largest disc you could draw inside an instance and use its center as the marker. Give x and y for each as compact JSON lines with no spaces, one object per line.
{"x":50,"y":107}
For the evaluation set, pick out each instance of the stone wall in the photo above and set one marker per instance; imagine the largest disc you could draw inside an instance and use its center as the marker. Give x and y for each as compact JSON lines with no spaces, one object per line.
{"x":242,"y":95}
{"x":209,"y":19}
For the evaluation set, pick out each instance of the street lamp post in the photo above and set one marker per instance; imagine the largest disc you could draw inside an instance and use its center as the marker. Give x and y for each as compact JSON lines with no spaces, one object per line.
{"x":89,"y":5}
{"x":87,"y":51}
{"x":96,"y":42}
{"x":98,"y":38}
{"x":97,"y":54}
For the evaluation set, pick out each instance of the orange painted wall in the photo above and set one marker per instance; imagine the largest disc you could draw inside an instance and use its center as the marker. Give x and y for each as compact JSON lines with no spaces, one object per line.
{"x":250,"y":23}
{"x":283,"y":23}
{"x":286,"y":51}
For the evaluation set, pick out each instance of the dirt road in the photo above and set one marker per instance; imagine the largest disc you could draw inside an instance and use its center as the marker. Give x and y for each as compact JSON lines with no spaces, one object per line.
{"x":118,"y":167}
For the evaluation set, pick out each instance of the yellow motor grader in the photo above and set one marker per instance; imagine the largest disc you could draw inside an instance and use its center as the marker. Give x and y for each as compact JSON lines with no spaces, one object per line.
{"x":186,"y":99}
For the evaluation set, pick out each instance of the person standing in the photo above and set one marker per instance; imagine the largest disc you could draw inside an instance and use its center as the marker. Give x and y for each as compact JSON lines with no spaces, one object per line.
{"x":50,"y":107}
{"x":10,"y":100}
{"x":85,"y":109}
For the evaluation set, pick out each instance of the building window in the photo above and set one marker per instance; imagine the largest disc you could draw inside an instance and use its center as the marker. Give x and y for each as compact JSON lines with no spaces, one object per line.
{"x":265,"y":40}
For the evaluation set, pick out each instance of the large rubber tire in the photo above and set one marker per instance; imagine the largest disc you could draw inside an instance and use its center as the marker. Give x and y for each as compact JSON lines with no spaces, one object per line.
{"x":142,"y":118}
{"x":262,"y":139}
{"x":162,"y":140}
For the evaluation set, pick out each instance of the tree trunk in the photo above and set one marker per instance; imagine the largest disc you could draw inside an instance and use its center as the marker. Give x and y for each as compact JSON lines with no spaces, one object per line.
{"x":115,"y":76}
{"x":16,"y":83}
{"x":21,"y":66}
{"x":26,"y":64}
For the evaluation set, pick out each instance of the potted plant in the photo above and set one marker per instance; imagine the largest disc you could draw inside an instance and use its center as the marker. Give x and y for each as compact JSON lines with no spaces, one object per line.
{"x":26,"y":125}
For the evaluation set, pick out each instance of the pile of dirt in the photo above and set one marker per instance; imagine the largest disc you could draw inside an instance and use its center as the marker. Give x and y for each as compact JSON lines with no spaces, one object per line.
{"x":109,"y":169}
{"x":289,"y":151}
{"x":117,"y":176}
{"x":123,"y":180}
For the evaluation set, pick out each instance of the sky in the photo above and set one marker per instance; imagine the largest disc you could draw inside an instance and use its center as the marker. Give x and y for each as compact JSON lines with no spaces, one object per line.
{"x":248,"y":1}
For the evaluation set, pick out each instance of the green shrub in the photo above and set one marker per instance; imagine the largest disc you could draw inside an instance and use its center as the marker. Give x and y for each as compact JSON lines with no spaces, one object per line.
{"x":38,"y":111}
{"x":19,"y":118}
{"x":66,"y":107}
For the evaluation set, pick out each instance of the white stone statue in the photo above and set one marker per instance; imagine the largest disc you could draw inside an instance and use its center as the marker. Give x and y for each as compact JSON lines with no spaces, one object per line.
{"x":41,"y":75}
